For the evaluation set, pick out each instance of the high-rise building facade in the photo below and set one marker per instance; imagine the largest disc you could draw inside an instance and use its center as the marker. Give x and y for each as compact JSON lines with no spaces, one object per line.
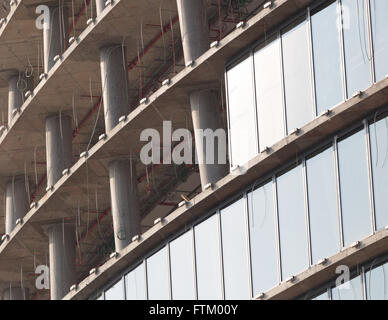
{"x":194,"y":149}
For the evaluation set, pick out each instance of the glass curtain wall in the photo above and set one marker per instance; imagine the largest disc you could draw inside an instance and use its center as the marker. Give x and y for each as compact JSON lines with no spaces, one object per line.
{"x":263,"y":238}
{"x":323,"y":205}
{"x":297,"y":75}
{"x":326,"y":42}
{"x":269,"y":92}
{"x":242,"y":118}
{"x":278,"y":228}
{"x":322,"y":57}
{"x":369,"y":282}
{"x":379,"y":9}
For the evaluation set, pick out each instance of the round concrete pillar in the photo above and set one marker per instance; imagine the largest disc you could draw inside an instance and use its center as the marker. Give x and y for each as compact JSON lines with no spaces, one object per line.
{"x":195,"y":38}
{"x":62,"y":244}
{"x":125,"y":208}
{"x":100,"y":6}
{"x":58,"y":146}
{"x":15,"y":96}
{"x":206,"y":117}
{"x":114,"y":77}
{"x":16,"y":202}
{"x":55,"y":37}
{"x":194,"y":28}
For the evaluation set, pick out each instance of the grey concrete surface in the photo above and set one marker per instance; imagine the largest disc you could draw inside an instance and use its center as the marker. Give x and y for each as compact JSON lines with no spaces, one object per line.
{"x":55,"y":36}
{"x":58,"y":146}
{"x":194,"y":28}
{"x":16,"y":202}
{"x":62,"y":246}
{"x":206,"y":116}
{"x":124,"y":200}
{"x":114,"y":83}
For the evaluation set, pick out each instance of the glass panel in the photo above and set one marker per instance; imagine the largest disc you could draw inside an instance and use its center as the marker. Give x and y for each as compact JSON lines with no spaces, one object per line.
{"x":351,"y":290}
{"x":292,"y":223}
{"x":100,"y":296}
{"x":235,"y":253}
{"x":262,"y":230}
{"x":116,"y":292}
{"x":323,"y":296}
{"x":242,"y":116}
{"x":354,"y":188}
{"x":208,"y":259}
{"x":135,"y":284}
{"x":377,"y":283}
{"x":157,"y":276}
{"x":324,"y":226}
{"x":356,"y":41}
{"x":327,"y":58}
{"x":182,"y":267}
{"x":379,"y":148}
{"x":297,"y":76}
{"x":379,"y":9}
{"x":269,"y":93}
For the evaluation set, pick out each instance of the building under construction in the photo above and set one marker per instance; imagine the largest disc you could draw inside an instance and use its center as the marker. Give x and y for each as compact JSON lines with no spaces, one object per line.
{"x":300,"y":87}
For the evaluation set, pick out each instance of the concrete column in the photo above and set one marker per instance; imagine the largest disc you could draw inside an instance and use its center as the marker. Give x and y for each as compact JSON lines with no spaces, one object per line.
{"x":125,"y":208}
{"x":15,"y":96}
{"x":15,"y":293}
{"x":18,"y":85}
{"x":194,"y":28}
{"x":122,"y":174}
{"x":55,"y":38}
{"x":195,"y":37}
{"x":62,"y":259}
{"x":16,"y":202}
{"x":100,"y":6}
{"x":114,"y":77}
{"x":58,"y":146}
{"x":206,"y":116}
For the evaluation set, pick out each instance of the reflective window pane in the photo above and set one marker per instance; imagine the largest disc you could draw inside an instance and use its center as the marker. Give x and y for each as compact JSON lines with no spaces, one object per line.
{"x":354,"y":187}
{"x":292,"y":223}
{"x":356,"y":42}
{"x":242,"y":116}
{"x":208,"y":259}
{"x":379,"y":9}
{"x":269,"y":93}
{"x":262,"y":231}
{"x":157,"y":276}
{"x":116,"y":292}
{"x":234,"y":251}
{"x":327,"y":58}
{"x":323,"y":210}
{"x":182,"y":267}
{"x":297,"y":76}
{"x":351,"y":290}
{"x":323,"y":296}
{"x":135,"y":284}
{"x":377,"y":283}
{"x":379,"y":148}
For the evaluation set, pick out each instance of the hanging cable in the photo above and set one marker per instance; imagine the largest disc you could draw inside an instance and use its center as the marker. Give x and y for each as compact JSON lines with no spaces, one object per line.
{"x":26,"y":182}
{"x":36,"y":172}
{"x":220,"y":19}
{"x":87,"y":194}
{"x":72,"y":12}
{"x":162,"y":31}
{"x":173,"y":44}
